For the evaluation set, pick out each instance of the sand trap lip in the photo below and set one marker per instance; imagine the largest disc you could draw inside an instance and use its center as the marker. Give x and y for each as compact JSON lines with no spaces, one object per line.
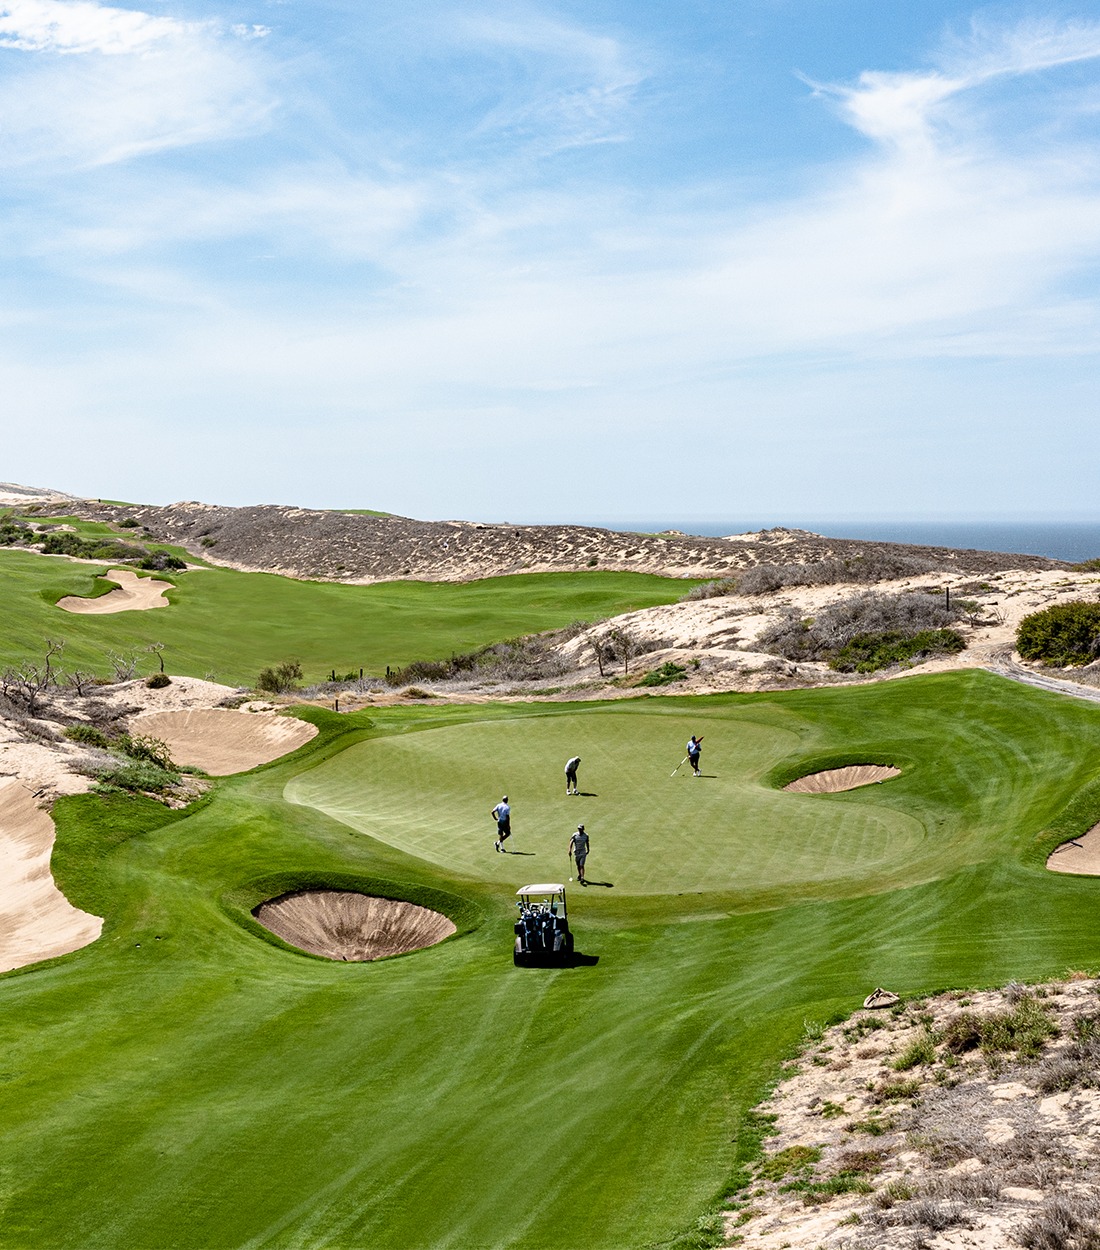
{"x":1082,"y":855}
{"x":347,"y":925}
{"x":222,"y":742}
{"x":36,"y":920}
{"x":834,"y":780}
{"x":134,"y":594}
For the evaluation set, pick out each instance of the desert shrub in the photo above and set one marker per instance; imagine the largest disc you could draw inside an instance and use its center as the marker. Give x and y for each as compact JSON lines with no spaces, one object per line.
{"x":873,"y":567}
{"x":129,"y":523}
{"x":667,"y":672}
{"x":1087,"y":566}
{"x":145,"y":749}
{"x":814,"y":1190}
{"x":161,"y":560}
{"x":281,"y":679}
{"x":87,"y":734}
{"x":14,"y":532}
{"x":1067,"y":633}
{"x":66,"y":544}
{"x":138,"y":775}
{"x":1023,"y":1030}
{"x":1065,"y":1223}
{"x":890,"y":1195}
{"x":870,"y":615}
{"x":158,"y":681}
{"x":209,"y":542}
{"x":867,"y":653}
{"x":414,"y":692}
{"x":712,"y":590}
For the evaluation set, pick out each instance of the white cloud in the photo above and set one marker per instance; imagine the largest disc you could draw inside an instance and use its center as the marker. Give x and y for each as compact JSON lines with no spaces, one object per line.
{"x":72,"y":26}
{"x":142,"y":83}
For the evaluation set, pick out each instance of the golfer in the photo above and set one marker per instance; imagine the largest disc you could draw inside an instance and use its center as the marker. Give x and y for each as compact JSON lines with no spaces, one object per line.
{"x":571,"y":767}
{"x":578,"y":851}
{"x":503,"y":814}
{"x":694,"y":746}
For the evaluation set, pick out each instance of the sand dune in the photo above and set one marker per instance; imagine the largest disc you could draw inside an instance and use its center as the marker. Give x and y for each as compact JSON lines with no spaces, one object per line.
{"x":36,"y":920}
{"x":222,"y":742}
{"x":134,"y":594}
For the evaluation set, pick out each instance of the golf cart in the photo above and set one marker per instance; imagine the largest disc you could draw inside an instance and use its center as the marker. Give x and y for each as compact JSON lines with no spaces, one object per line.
{"x":542,"y":934}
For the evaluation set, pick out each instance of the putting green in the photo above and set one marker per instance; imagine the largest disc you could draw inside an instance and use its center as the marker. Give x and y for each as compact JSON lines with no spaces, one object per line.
{"x":429,"y":794}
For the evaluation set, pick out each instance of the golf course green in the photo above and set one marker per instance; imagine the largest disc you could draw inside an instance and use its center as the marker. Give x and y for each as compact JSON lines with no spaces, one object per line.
{"x":187,"y":1082}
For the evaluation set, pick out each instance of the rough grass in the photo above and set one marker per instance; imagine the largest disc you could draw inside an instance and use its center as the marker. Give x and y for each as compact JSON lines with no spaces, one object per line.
{"x":183,"y":1083}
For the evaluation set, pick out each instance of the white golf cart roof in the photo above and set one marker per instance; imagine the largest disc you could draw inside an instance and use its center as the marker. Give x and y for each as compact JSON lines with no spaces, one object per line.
{"x":542,"y":889}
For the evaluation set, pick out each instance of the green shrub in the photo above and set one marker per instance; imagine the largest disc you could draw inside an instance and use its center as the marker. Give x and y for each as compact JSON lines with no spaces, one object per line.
{"x":146,"y":749}
{"x":129,"y":523}
{"x":666,"y":673}
{"x":280,"y":680}
{"x":209,"y":542}
{"x":66,"y":544}
{"x":161,"y":560}
{"x":87,"y":734}
{"x":158,"y":681}
{"x":1067,"y":633}
{"x":920,"y":1050}
{"x":136,"y":776}
{"x":1023,"y":1030}
{"x":1087,"y":566}
{"x":868,"y":652}
{"x":794,"y":1158}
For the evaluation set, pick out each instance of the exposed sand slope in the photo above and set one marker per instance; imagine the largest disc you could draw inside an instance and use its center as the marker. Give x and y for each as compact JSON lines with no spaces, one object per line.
{"x":834,"y":780}
{"x":342,"y":924}
{"x":1082,"y":855}
{"x":36,"y":920}
{"x":134,"y":594}
{"x":223,"y":742}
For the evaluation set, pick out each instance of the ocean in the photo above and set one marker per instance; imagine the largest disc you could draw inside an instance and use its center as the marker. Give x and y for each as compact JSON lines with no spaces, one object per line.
{"x":1068,"y":540}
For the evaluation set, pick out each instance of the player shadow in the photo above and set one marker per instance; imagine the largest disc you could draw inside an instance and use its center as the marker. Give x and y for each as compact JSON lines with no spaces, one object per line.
{"x":521,"y":852}
{"x":608,"y":885}
{"x":586,"y":794}
{"x":711,"y":776}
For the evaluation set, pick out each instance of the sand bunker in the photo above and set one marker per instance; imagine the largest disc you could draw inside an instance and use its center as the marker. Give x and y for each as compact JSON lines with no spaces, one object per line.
{"x":36,"y":920}
{"x":833,"y":780}
{"x":134,"y":594}
{"x":1081,"y":855}
{"x":222,"y":742}
{"x":342,"y":924}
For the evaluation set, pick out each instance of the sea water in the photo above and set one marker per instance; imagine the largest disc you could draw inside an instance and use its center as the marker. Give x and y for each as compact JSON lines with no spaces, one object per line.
{"x":1069,"y":540}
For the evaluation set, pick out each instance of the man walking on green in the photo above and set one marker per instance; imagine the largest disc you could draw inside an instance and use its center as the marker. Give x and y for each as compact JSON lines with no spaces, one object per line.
{"x":571,"y":767}
{"x":695,"y":745}
{"x":503,"y":814}
{"x":578,"y":851}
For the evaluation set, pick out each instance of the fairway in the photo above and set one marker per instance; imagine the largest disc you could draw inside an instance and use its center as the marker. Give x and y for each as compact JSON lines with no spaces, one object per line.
{"x":429,"y":794}
{"x":185,"y":1083}
{"x":231,"y":624}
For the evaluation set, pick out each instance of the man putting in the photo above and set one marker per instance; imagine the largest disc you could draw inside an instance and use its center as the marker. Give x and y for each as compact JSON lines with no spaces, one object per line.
{"x":578,"y":851}
{"x":571,"y":767}
{"x":694,"y":746}
{"x":503,"y":814}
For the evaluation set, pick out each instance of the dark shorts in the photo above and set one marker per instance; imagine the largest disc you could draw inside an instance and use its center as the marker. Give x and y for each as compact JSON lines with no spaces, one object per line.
{"x":693,"y":760}
{"x":579,"y":860}
{"x":504,"y":829}
{"x":571,"y":779}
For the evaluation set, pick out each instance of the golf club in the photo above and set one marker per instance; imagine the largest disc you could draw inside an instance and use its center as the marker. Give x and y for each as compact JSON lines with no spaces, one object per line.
{"x":678,"y":766}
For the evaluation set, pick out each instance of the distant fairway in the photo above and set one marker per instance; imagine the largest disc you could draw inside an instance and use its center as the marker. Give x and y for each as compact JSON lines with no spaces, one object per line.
{"x":233,"y":624}
{"x":429,"y":794}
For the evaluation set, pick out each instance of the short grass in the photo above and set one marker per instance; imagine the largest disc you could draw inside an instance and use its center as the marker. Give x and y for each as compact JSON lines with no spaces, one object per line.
{"x":184,"y":1084}
{"x":233,"y":624}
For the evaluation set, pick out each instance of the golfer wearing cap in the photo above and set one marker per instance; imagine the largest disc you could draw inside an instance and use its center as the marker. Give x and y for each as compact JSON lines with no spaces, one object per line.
{"x":571,"y":767}
{"x":503,"y":814}
{"x":694,"y":746}
{"x":578,"y":851}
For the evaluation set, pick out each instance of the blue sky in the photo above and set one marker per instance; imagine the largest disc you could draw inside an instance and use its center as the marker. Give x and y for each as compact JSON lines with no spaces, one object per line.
{"x":548,"y":262}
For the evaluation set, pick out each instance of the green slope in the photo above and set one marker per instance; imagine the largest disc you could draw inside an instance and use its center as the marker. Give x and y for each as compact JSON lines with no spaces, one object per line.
{"x":183,"y":1083}
{"x":232,"y":624}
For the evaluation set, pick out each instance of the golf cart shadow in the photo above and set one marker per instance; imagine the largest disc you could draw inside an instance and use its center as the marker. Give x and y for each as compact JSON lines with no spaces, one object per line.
{"x":575,"y":959}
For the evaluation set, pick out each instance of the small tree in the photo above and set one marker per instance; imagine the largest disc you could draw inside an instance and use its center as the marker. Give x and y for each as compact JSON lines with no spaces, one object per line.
{"x":124,"y":663}
{"x":78,"y":679}
{"x":157,"y":649}
{"x":626,"y":645}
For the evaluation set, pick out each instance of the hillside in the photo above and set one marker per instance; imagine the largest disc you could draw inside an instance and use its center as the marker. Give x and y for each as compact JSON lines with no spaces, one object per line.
{"x":310,"y":543}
